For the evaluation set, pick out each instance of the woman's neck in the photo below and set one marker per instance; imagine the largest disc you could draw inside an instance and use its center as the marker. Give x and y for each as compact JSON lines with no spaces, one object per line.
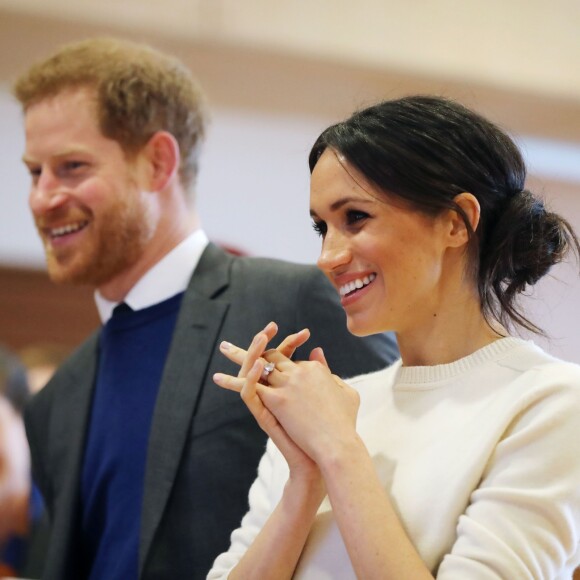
{"x":456,"y":328}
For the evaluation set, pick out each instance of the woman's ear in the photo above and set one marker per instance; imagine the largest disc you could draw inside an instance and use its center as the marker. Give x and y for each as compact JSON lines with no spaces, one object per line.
{"x":458,"y":232}
{"x":162,"y":152}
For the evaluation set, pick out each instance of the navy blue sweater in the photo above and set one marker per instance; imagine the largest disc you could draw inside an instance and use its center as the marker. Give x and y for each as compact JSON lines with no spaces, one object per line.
{"x":133,"y":349}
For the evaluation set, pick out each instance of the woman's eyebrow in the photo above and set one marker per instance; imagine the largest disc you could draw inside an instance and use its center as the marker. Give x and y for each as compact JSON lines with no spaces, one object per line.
{"x":343,"y":201}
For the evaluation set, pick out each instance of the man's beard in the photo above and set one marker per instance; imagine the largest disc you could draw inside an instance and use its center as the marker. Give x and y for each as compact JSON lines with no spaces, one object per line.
{"x":123,"y":233}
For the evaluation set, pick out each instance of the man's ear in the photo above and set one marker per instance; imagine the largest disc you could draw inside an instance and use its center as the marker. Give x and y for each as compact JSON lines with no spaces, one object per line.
{"x":458,"y":232}
{"x":162,"y":152}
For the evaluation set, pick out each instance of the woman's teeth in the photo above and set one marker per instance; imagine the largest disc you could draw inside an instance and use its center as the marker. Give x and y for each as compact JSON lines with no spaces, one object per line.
{"x":356,"y":284}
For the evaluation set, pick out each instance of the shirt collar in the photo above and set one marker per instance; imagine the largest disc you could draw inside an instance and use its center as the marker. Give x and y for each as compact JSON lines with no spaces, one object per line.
{"x":165,"y":279}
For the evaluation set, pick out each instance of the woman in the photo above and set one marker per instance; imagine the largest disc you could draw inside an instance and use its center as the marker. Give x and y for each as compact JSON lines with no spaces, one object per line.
{"x":461,"y":461}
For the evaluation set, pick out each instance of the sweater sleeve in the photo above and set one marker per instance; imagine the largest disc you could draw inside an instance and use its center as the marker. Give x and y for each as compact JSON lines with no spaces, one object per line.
{"x":523,"y":520}
{"x":264,"y":495}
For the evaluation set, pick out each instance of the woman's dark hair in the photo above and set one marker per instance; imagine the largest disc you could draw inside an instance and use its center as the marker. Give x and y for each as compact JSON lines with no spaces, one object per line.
{"x":426,"y":150}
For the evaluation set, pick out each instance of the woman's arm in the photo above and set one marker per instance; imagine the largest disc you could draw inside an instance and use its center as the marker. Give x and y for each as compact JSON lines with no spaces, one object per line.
{"x":313,"y":414}
{"x":374,"y":537}
{"x":276,"y":549}
{"x":271,"y":487}
{"x":318,"y":412}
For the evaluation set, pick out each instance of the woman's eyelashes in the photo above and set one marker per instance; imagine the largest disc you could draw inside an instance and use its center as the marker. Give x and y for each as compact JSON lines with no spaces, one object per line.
{"x":352,"y":218}
{"x":319,"y":227}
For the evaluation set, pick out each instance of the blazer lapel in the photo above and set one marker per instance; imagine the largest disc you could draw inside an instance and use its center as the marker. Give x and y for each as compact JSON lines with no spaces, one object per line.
{"x":68,"y":427}
{"x":193,"y":342}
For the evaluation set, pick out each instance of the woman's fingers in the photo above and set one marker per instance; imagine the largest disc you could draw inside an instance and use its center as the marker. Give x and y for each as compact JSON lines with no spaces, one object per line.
{"x":251,"y":398}
{"x":270,"y":330}
{"x":247,"y":387}
{"x":250,"y":394}
{"x":248,"y":391}
{"x":272,"y":363}
{"x":317,"y":354}
{"x":233,"y":352}
{"x":289,"y":345}
{"x":229,"y":382}
{"x":246,"y":358}
{"x":257,"y":347}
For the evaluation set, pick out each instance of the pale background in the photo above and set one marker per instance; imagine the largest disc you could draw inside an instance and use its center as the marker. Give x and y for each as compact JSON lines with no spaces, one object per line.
{"x":277,"y":73}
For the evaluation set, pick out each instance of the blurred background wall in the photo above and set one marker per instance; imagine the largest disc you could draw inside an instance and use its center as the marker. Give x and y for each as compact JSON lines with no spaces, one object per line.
{"x":276,"y":74}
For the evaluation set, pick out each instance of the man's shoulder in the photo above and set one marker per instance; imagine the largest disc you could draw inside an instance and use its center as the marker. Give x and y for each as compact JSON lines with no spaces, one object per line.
{"x":271,"y":274}
{"x":82,"y":355}
{"x":79,"y":362}
{"x":219,"y":269}
{"x":276,"y":266}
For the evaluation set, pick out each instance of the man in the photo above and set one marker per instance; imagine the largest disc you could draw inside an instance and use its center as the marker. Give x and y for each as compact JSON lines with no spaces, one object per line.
{"x":144,"y":463}
{"x":23,"y":529}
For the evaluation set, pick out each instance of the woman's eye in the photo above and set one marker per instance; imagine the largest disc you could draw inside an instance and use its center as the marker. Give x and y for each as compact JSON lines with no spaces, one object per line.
{"x":319,"y":228}
{"x":355,"y":216}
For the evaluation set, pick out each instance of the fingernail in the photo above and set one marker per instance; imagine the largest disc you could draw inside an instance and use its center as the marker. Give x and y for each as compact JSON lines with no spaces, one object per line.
{"x":217,"y":377}
{"x":225,"y":345}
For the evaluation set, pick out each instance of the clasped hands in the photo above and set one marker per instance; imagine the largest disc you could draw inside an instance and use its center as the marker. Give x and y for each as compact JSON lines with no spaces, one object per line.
{"x":302,"y":406}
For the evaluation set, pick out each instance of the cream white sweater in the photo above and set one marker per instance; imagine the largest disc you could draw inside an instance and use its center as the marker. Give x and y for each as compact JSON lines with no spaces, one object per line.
{"x":481,"y":458}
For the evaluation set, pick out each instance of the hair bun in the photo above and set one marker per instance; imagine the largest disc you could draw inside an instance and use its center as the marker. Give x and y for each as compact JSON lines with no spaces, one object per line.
{"x":528,"y":240}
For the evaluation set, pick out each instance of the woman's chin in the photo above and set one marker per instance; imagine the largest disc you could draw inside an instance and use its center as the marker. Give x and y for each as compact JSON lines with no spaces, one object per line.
{"x":357,"y":328}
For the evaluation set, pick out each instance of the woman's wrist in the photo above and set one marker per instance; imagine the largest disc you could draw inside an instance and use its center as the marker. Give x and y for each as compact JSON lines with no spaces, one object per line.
{"x":305,"y":489}
{"x":341,"y":455}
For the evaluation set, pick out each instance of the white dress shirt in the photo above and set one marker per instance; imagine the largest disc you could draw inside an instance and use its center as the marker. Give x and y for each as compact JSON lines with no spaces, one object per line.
{"x":165,"y":279}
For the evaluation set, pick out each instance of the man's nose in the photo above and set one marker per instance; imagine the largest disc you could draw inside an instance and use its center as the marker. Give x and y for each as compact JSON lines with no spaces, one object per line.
{"x":46,"y":193}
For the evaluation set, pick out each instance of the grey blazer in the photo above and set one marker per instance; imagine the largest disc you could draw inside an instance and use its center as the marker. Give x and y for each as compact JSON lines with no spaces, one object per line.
{"x":204,"y":445}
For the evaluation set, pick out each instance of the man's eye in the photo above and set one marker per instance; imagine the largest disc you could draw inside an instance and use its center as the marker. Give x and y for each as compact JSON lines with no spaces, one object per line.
{"x":34,"y":173}
{"x":71,"y":169}
{"x":319,"y":228}
{"x":73,"y":165}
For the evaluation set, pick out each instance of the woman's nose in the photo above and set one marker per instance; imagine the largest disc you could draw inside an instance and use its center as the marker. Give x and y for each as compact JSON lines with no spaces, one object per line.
{"x":334,"y":254}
